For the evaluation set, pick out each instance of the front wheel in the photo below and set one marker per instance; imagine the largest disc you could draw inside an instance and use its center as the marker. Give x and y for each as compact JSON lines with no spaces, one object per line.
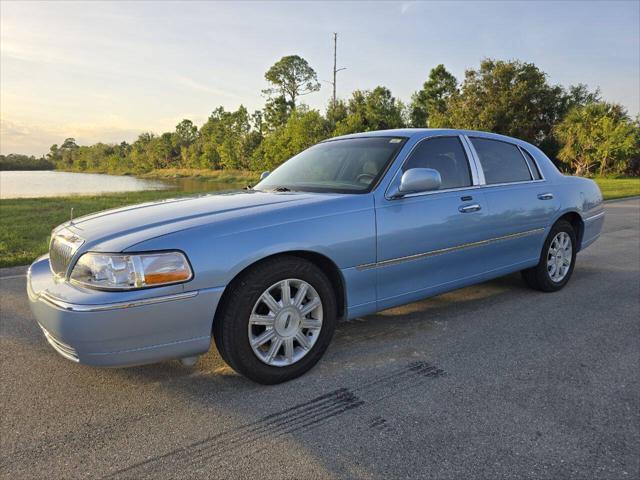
{"x":556,"y":261}
{"x":277,"y":320}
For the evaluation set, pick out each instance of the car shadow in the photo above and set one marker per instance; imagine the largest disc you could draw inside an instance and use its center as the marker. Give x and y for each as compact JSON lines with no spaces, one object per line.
{"x":211,"y":372}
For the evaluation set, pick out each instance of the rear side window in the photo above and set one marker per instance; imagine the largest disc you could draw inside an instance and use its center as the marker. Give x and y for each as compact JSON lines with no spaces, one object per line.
{"x":501,"y":162}
{"x":446,"y":155}
{"x":532,"y":165}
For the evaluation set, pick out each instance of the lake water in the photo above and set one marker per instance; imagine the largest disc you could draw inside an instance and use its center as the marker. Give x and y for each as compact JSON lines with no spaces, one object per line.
{"x":33,"y":184}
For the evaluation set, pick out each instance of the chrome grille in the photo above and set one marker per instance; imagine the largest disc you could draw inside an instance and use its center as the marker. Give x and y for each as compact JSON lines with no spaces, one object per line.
{"x":61,"y":250}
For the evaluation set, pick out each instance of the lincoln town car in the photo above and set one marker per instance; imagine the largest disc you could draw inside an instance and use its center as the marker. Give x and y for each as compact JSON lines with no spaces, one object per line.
{"x":350,"y":226}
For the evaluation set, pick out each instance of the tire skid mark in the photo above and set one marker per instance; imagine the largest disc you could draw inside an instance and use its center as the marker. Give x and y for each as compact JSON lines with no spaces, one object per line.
{"x":284,"y":426}
{"x":243,"y":440}
{"x":218,"y":455}
{"x":326,"y":405}
{"x":380,"y":424}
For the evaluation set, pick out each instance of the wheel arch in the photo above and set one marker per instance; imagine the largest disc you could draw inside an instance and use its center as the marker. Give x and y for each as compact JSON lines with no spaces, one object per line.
{"x":576,"y":222}
{"x":324,"y":263}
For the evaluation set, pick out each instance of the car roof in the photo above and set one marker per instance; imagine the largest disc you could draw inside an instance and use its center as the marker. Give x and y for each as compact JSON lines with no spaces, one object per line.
{"x":429,"y":132}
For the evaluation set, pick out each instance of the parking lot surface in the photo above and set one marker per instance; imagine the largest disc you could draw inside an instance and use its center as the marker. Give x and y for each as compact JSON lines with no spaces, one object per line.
{"x":492,"y":381}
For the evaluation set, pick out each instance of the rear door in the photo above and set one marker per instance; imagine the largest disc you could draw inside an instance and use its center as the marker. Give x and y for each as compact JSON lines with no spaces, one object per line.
{"x":520,"y":202}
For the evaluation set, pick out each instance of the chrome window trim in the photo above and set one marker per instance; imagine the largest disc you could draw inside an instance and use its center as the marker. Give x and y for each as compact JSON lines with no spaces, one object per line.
{"x":473,"y":166}
{"x":523,"y":182}
{"x":442,"y":251}
{"x":470,"y":160}
{"x":526,"y":162}
{"x":74,"y":307}
{"x":433,"y":192}
{"x":477,"y":173}
{"x":542,"y":179}
{"x":535,"y":162}
{"x":476,"y":160}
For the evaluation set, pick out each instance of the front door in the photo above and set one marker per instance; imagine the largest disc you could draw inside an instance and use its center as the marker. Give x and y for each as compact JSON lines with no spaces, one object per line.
{"x":426,"y":242}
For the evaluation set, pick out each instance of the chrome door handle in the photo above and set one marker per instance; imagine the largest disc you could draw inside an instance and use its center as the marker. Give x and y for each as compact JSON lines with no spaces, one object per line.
{"x":545,"y":196}
{"x":474,"y":207}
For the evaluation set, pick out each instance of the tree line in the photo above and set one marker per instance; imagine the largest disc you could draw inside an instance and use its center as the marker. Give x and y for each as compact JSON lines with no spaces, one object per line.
{"x":16,"y":161}
{"x":573,"y":125}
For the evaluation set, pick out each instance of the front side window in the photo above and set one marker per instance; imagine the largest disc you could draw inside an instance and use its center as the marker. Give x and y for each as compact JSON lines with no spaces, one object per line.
{"x":351,"y":165}
{"x":446,"y":155}
{"x":501,"y":162}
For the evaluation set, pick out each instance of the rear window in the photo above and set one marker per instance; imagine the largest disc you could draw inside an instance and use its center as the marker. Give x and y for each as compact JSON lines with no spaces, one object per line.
{"x":532,"y":165}
{"x":501,"y":162}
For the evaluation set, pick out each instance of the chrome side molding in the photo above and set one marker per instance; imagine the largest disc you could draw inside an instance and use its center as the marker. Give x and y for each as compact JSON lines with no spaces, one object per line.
{"x":442,"y":251}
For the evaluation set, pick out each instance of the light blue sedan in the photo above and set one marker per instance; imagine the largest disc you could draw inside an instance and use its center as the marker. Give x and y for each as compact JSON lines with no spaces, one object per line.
{"x":350,"y":226}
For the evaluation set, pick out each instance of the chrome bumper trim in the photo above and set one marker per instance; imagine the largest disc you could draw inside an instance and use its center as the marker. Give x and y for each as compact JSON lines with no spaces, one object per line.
{"x":63,"y":349}
{"x":593,"y":217}
{"x":441,"y":251}
{"x":73,"y":307}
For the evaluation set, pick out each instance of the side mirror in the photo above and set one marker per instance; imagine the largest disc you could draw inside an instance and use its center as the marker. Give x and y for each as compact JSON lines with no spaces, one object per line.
{"x":419,"y":180}
{"x":264,"y":175}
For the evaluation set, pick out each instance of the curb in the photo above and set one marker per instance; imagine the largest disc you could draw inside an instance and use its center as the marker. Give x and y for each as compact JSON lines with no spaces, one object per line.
{"x":622,"y":199}
{"x":8,"y":273}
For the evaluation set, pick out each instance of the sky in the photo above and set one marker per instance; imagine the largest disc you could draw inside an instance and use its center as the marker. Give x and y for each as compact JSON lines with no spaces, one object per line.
{"x":107,"y":71}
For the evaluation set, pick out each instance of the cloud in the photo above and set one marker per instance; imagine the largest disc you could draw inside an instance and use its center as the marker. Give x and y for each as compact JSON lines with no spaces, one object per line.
{"x":36,"y":139}
{"x":406,"y":6}
{"x":201,"y":87}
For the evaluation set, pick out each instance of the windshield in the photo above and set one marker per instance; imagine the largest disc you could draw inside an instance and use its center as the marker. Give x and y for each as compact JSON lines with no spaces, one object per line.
{"x":352,"y":165}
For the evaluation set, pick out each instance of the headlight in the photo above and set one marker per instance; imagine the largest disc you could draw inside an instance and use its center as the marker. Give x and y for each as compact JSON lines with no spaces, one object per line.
{"x":117,"y":271}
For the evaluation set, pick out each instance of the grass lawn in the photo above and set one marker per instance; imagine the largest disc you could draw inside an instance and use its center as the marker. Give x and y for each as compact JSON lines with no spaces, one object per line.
{"x":619,"y":187}
{"x":25,"y":224}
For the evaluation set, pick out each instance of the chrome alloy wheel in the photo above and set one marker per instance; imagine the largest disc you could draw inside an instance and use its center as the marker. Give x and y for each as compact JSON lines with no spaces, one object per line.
{"x":285,"y":322}
{"x":559,"y":257}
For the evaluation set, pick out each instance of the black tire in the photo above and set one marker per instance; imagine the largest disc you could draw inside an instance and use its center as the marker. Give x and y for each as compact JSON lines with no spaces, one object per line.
{"x":230,"y":329}
{"x":538,"y":277}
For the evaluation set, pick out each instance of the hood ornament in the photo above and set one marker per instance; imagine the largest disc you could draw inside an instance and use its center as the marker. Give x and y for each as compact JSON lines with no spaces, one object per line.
{"x":71,"y":219}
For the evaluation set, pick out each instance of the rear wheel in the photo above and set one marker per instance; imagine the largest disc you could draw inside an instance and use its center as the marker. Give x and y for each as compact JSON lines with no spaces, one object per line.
{"x":277,"y":320}
{"x":557,"y":260}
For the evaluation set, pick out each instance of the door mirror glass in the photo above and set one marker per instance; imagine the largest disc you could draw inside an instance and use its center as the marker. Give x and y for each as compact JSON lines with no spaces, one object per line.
{"x":264,"y":175}
{"x":419,"y":180}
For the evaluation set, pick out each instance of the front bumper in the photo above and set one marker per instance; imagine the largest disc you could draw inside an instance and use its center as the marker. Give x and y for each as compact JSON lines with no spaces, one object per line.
{"x":123,"y":329}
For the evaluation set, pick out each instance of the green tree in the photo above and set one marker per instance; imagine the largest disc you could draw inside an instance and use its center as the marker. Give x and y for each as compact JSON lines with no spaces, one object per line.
{"x":186,"y":133}
{"x":512,"y":98}
{"x":15,"y":161}
{"x":579,"y":95}
{"x":336,"y":112}
{"x":224,"y":141}
{"x":598,"y":138}
{"x":432,"y":99}
{"x":369,"y":110}
{"x":54,"y":154}
{"x":141,"y":156}
{"x":303,"y":129}
{"x":68,"y":153}
{"x":291,"y":77}
{"x":276,"y":112}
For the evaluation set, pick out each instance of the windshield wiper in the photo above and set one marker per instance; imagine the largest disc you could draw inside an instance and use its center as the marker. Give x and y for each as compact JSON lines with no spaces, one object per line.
{"x":280,"y":189}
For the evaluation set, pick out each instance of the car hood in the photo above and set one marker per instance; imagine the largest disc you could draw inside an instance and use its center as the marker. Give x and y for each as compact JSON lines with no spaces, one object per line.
{"x":112,"y":230}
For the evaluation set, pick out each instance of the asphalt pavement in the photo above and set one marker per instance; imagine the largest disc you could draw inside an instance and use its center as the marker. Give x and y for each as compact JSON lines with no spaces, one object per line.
{"x":492,"y":381}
